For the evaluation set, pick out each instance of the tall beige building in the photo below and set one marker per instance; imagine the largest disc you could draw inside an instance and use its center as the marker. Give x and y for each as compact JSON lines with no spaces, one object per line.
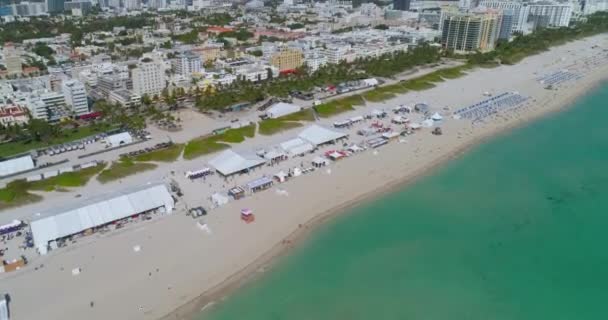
{"x":287,"y":59}
{"x":12,"y":59}
{"x":465,"y":32}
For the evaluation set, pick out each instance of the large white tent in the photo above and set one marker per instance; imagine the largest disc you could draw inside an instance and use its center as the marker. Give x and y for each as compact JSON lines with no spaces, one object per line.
{"x":15,"y":165}
{"x":118,"y":139}
{"x":281,"y":109}
{"x":62,"y":222}
{"x":318,"y":135}
{"x":297,"y":146}
{"x":229,"y":162}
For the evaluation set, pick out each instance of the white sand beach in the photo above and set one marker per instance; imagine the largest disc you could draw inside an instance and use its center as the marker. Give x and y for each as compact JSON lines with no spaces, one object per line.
{"x":180,"y":268}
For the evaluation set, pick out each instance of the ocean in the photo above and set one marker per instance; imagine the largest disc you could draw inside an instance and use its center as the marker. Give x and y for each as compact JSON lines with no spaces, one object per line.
{"x":515,"y":229}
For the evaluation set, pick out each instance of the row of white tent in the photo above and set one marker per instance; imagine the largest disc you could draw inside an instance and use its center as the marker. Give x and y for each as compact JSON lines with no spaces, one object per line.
{"x":54,"y":173}
{"x":230,"y":162}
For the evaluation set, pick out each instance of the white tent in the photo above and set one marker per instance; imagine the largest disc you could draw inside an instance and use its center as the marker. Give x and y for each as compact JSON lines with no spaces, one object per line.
{"x":281,"y":109}
{"x":62,"y":222}
{"x":370,"y":82}
{"x":281,"y":176}
{"x":15,"y":165}
{"x":219,"y":199}
{"x":355,"y":148}
{"x":229,"y":162}
{"x":400,"y":120}
{"x":274,"y":154}
{"x":320,"y":162}
{"x":297,"y":146}
{"x":318,"y":135}
{"x":436,"y":117}
{"x":118,"y":139}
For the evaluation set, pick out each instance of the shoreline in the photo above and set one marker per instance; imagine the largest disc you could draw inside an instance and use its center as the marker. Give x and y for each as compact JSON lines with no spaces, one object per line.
{"x":178,"y":270}
{"x":267,"y":261}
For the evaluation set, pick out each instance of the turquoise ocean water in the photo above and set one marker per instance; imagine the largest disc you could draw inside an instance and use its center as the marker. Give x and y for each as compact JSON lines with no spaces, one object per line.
{"x":516,"y":229}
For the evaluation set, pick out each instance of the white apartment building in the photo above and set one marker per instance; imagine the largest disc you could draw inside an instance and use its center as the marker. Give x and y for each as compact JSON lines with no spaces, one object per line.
{"x":529,"y":16}
{"x":315,"y":60}
{"x":132,"y":4}
{"x":157,"y":4}
{"x":551,"y":14}
{"x":337,"y":53}
{"x":254,"y":73}
{"x":186,"y":64}
{"x":54,"y":103}
{"x":75,"y":96}
{"x":148,"y":77}
{"x":125,"y":98}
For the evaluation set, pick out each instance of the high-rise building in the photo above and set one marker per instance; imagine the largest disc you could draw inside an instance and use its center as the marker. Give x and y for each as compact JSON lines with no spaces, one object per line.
{"x":83,"y":5}
{"x":186,"y":64}
{"x":528,"y":16}
{"x":157,"y":4}
{"x":55,"y":6}
{"x":464,"y":32}
{"x":28,"y":9}
{"x":287,"y":59}
{"x":549,"y":14}
{"x":148,"y":77}
{"x":54,"y":104}
{"x":401,"y":5}
{"x":110,"y":82}
{"x":76,"y":96}
{"x":132,"y":4}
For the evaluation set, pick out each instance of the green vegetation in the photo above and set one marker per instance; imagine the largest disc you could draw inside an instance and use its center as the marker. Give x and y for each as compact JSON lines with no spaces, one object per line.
{"x":416,"y":84}
{"x":43,"y":50}
{"x":202,"y":146}
{"x":296,"y":25}
{"x":540,"y":40}
{"x":216,"y":19}
{"x":343,"y":30}
{"x":256,"y":53}
{"x":123,"y":168}
{"x":187,"y":38}
{"x":236,"y":135}
{"x":67,"y":179}
{"x":169,"y":154}
{"x":271,"y":126}
{"x":303,"y":80}
{"x":18,"y":31}
{"x":16,"y":194}
{"x":24,"y":140}
{"x":119,"y":116}
{"x":334,"y":107}
{"x":379,"y":94}
{"x":210,"y":144}
{"x":240,"y":34}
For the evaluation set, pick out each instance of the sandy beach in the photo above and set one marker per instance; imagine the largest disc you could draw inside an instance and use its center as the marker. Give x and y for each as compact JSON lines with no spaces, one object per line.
{"x":181,"y":269}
